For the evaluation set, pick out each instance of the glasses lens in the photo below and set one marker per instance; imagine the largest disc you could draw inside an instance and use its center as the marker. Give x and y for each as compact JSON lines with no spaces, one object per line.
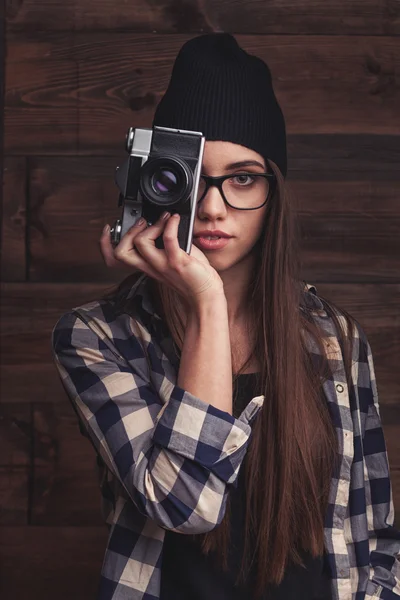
{"x":246,"y":190}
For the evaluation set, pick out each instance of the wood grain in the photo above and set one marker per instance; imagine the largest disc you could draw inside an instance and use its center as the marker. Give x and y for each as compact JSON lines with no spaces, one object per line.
{"x":15,"y":434}
{"x":30,"y":312}
{"x":325,"y":84}
{"x":321,"y":157}
{"x":14,"y":496}
{"x":13,"y":242}
{"x":71,"y":201}
{"x":41,"y":103}
{"x":15,"y":463}
{"x":350,"y":230}
{"x":30,"y":307}
{"x":66,"y":490}
{"x":337,"y":17}
{"x":51,"y":562}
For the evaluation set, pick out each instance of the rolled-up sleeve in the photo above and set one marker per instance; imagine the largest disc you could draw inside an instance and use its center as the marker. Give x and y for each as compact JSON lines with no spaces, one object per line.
{"x":204,"y":434}
{"x":175,"y":460}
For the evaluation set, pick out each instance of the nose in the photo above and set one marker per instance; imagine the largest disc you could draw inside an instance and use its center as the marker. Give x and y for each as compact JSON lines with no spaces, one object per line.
{"x":212,"y":206}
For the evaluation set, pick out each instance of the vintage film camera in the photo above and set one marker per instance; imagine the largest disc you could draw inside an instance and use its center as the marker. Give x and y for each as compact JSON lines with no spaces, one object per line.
{"x":161,"y":173}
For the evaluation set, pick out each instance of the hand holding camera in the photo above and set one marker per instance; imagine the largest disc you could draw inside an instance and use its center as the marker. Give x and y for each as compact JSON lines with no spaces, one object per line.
{"x":192,"y":276}
{"x":160,"y":179}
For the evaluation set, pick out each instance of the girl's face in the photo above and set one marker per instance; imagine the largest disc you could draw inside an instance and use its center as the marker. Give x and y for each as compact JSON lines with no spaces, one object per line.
{"x":245,"y":226}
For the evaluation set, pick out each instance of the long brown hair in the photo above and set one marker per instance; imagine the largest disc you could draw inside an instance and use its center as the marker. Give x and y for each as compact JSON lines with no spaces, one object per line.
{"x":293,"y":448}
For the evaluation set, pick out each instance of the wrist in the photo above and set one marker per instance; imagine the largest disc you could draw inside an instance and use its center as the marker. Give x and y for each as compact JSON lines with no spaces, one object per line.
{"x":208,"y":306}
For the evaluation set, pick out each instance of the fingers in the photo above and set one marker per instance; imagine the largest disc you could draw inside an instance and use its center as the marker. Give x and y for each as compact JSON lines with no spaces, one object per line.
{"x":126,"y":253}
{"x":144,"y":243}
{"x":126,"y":246}
{"x":108,"y":251}
{"x":137,"y":249}
{"x":175,"y":255}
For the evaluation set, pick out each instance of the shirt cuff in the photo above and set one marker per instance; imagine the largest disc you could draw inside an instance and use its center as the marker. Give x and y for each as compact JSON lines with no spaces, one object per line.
{"x":205,"y":434}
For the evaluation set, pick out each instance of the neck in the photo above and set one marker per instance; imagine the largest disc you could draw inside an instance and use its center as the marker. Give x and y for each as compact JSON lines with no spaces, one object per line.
{"x":236,"y":281}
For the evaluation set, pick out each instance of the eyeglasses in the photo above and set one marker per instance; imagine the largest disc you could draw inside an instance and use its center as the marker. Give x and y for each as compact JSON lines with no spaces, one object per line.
{"x":243,"y":191}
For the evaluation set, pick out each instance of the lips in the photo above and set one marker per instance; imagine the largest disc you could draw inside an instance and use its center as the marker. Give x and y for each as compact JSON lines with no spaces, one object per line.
{"x":206,"y":244}
{"x":212,"y":233}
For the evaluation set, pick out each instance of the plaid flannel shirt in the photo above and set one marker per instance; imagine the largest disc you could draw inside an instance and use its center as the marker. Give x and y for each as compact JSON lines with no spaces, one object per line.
{"x":167,"y":459}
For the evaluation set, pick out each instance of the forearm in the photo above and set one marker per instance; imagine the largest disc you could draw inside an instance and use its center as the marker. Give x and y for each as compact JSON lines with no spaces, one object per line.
{"x":206,"y":367}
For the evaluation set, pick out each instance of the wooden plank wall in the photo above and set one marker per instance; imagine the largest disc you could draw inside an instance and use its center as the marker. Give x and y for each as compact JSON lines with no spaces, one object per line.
{"x":78,"y":73}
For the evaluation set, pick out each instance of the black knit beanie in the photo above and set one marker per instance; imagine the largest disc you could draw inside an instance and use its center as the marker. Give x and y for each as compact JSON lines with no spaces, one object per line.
{"x":224,"y":92}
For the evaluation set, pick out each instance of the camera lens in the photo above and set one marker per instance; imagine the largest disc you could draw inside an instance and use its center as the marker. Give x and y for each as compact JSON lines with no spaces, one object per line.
{"x":164,"y":182}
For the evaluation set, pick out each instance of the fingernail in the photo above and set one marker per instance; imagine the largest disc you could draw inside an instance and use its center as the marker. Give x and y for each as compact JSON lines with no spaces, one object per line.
{"x":106,"y":229}
{"x":165,"y":215}
{"x":140,"y":222}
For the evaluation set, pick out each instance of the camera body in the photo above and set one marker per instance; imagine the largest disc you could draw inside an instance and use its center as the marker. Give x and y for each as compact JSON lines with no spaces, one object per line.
{"x":162,"y":173}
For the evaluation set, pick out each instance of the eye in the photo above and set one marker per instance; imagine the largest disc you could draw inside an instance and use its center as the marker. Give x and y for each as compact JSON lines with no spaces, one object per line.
{"x":243,"y":179}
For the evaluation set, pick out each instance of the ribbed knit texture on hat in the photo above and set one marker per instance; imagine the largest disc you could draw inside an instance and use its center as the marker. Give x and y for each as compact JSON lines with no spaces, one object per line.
{"x":227,"y":94}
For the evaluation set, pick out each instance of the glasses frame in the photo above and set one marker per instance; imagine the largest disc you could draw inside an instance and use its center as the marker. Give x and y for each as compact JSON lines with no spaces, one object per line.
{"x":218,"y":182}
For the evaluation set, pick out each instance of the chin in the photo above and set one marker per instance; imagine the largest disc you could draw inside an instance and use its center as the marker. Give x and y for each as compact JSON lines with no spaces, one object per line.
{"x":220,"y":262}
{"x":224,"y":263}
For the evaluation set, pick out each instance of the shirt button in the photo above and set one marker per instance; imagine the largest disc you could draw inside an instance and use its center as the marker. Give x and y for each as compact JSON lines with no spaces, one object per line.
{"x":339,"y":388}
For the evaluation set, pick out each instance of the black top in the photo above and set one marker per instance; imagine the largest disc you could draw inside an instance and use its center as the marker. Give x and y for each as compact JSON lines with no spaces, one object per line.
{"x":186,"y":573}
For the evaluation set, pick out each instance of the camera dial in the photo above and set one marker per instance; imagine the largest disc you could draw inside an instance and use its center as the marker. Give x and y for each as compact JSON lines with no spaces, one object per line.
{"x":115,"y":232}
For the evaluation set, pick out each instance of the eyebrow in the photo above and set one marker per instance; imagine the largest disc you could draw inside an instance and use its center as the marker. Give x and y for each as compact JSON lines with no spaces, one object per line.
{"x":244,"y":163}
{"x":240,"y":164}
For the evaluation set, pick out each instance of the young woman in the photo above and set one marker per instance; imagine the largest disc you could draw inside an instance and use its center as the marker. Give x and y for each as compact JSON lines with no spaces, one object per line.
{"x":234,"y":411}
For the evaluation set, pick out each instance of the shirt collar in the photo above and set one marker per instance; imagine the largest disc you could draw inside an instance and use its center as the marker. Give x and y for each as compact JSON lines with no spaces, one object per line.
{"x":310,"y":297}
